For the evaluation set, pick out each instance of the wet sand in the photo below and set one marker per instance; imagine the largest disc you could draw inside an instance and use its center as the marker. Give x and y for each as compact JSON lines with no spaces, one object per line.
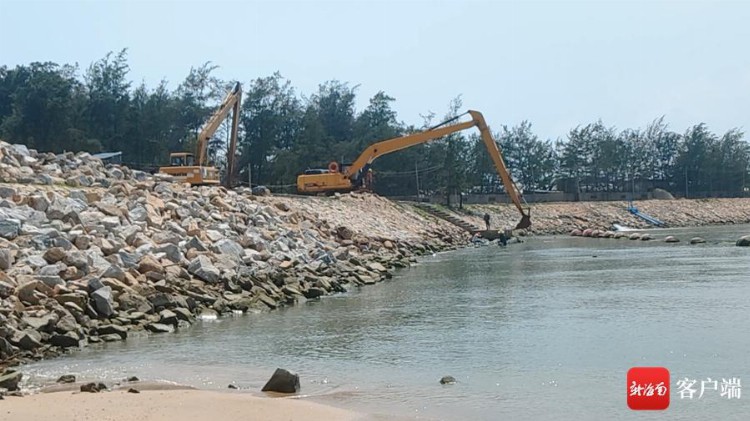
{"x":159,"y":405}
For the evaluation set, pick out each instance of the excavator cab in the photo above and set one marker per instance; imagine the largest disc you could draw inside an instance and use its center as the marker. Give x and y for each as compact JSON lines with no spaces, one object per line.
{"x":181,"y":159}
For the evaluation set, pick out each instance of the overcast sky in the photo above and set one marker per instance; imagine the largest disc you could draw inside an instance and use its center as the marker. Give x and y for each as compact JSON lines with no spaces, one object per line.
{"x":556,"y":63}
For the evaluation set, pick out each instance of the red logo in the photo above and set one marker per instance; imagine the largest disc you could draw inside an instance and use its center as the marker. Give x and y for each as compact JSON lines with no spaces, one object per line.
{"x":648,"y":388}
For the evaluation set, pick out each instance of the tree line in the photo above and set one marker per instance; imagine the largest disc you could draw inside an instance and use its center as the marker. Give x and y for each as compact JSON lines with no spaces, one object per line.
{"x":53,"y":107}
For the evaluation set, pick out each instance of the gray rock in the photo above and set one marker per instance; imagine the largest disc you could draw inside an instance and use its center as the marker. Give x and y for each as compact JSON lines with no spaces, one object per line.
{"x":202,"y":267}
{"x":67,"y":378}
{"x":111,"y":337}
{"x":9,"y":228}
{"x":448,"y":380}
{"x":42,"y":322}
{"x":314,"y":292}
{"x":113,"y":330}
{"x":39,"y":203}
{"x":697,"y":240}
{"x":195,"y":243}
{"x":6,"y":289}
{"x":744,"y":241}
{"x":138,"y":214}
{"x":229,"y":247}
{"x":6,"y":349}
{"x":159,"y":328}
{"x":67,"y":323}
{"x":64,"y":341}
{"x":171,"y":251}
{"x":261,"y":191}
{"x":6,"y":259}
{"x":9,"y":380}
{"x":183,"y":314}
{"x":161,"y":299}
{"x":282,"y":381}
{"x":91,"y":387}
{"x":102,"y":301}
{"x":168,"y":317}
{"x":114,"y":272}
{"x":7,"y":192}
{"x":27,"y":340}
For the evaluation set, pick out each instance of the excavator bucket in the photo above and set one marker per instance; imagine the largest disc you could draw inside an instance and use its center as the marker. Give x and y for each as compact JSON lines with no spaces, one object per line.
{"x":525,"y":221}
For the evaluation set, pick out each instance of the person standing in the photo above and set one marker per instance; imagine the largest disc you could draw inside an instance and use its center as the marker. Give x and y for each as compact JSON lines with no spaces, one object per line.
{"x":487,"y":220}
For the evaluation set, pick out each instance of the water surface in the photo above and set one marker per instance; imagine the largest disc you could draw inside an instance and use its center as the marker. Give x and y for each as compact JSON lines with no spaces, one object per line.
{"x":546,"y":329}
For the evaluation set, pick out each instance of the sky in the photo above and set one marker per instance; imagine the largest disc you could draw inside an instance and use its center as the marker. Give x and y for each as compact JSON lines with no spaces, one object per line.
{"x":557,"y":64}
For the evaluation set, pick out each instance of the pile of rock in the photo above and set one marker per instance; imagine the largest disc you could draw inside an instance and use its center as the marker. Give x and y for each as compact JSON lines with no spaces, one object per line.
{"x":19,"y":164}
{"x":115,"y":254}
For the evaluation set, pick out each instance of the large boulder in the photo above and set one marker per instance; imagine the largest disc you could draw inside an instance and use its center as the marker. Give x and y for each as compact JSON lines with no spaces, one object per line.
{"x":230,"y":248}
{"x":102,"y":301}
{"x":113,"y":330}
{"x":282,"y":381}
{"x":697,"y":240}
{"x":744,"y":241}
{"x":202,"y":267}
{"x":9,"y":380}
{"x":68,"y":340}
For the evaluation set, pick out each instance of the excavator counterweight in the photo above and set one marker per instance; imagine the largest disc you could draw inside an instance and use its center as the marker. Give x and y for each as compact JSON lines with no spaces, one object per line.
{"x":337,"y":179}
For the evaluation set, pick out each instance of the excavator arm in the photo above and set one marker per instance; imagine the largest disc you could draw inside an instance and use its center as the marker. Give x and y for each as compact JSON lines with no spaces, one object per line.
{"x":502,"y":170}
{"x":231,"y":102}
{"x":334,"y":180}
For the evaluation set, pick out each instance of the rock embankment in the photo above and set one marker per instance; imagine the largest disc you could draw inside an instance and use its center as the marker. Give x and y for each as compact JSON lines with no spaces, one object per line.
{"x":90,"y":253}
{"x":562,"y":218}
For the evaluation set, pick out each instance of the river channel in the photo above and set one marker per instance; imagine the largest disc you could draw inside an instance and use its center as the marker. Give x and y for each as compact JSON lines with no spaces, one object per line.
{"x":546,"y":329}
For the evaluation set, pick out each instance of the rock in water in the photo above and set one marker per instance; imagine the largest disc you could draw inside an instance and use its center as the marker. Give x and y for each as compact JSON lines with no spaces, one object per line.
{"x":697,"y":240}
{"x":9,"y":380}
{"x":67,"y":378}
{"x":671,"y":239}
{"x":282,"y":381}
{"x":744,"y":241}
{"x":448,"y":380}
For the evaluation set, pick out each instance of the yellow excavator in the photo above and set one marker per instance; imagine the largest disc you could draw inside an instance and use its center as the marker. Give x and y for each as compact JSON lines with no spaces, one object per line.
{"x":191,"y":168}
{"x":345,"y":179}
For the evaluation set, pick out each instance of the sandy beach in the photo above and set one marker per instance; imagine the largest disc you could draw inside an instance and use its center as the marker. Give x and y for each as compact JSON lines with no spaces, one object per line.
{"x":159,"y":405}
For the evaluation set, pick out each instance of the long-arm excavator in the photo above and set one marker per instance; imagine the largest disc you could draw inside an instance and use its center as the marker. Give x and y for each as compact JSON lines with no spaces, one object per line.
{"x":191,"y":168}
{"x":338,"y":179}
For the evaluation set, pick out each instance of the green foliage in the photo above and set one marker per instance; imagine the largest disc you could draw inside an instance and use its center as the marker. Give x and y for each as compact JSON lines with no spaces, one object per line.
{"x":55,"y":108}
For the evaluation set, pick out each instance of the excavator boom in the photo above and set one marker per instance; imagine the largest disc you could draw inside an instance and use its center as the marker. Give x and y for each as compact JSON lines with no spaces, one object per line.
{"x":192,"y":168}
{"x":335,"y":180}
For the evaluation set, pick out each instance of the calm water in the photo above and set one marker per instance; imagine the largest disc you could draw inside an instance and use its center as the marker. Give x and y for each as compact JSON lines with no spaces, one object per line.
{"x":546,"y":329}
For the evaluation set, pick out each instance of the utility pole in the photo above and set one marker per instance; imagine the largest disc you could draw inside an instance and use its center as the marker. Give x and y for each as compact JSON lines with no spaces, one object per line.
{"x":686,"y":182}
{"x":249,"y":176}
